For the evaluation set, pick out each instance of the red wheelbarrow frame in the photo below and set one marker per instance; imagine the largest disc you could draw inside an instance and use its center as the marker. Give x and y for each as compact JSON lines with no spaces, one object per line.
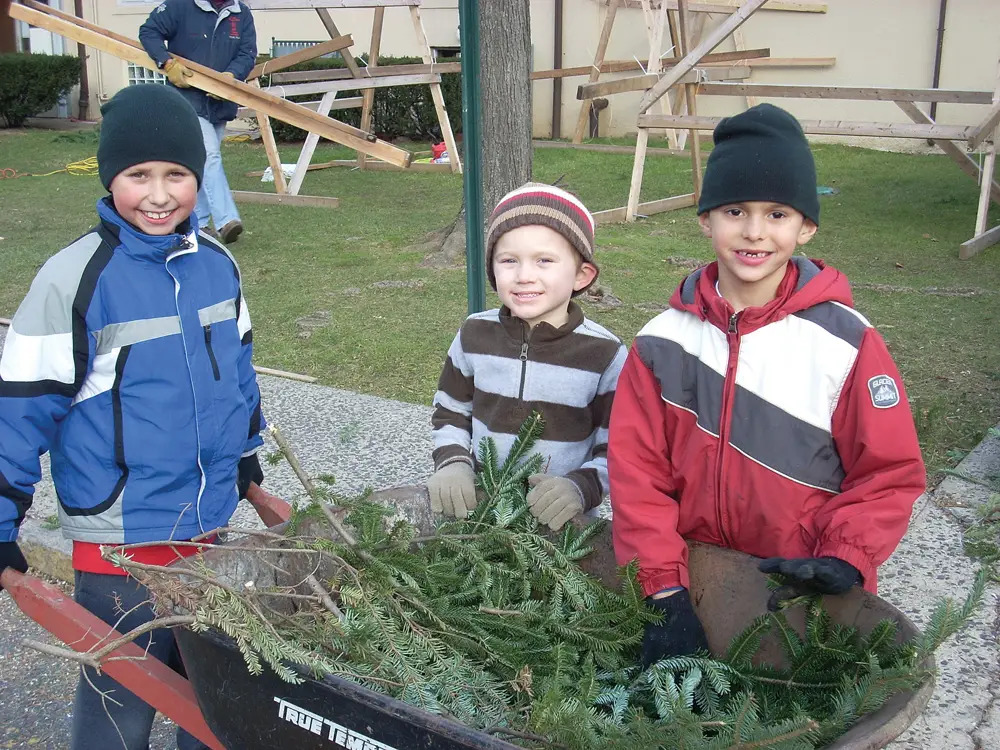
{"x":150,"y":679}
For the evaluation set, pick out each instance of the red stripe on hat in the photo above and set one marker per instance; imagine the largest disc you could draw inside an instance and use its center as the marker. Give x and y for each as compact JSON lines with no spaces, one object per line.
{"x":582,"y":214}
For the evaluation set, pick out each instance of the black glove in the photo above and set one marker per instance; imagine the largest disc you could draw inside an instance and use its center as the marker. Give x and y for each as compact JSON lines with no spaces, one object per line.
{"x":11,"y":557}
{"x":249,"y":471}
{"x":679,"y":633}
{"x":809,"y":575}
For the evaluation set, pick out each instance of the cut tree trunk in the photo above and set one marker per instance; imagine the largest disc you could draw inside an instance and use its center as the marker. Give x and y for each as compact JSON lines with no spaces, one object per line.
{"x":505,"y":62}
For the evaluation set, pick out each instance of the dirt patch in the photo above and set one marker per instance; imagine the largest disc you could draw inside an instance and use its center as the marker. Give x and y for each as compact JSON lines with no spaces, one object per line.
{"x":309,"y":323}
{"x":404,"y":284}
{"x":689,"y":263}
{"x":601,"y":296}
{"x":933,"y":291}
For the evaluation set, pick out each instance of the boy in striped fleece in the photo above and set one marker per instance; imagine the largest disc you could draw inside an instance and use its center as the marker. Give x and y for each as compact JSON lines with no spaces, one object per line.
{"x":536,"y":353}
{"x":761,"y":412}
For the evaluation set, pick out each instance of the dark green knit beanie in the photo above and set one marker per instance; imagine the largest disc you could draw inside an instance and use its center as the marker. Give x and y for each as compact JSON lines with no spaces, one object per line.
{"x":761,"y":155}
{"x":148,"y":122}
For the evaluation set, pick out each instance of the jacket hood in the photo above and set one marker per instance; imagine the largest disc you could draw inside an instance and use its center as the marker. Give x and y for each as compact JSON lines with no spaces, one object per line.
{"x":807,"y":282}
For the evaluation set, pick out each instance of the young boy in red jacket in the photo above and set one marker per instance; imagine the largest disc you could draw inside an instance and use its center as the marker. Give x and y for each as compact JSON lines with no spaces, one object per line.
{"x":760,"y":412}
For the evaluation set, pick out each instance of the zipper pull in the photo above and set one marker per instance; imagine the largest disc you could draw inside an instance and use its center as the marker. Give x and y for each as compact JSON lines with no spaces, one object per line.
{"x":208,"y":334}
{"x":524,"y":352}
{"x":732,"y":322}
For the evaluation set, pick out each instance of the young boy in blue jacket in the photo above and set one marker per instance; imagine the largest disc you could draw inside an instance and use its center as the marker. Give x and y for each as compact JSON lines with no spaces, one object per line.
{"x":129,"y":361}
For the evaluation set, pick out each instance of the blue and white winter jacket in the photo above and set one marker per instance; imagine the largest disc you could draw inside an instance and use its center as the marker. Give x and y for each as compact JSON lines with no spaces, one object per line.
{"x":129,"y":361}
{"x":224,"y":40}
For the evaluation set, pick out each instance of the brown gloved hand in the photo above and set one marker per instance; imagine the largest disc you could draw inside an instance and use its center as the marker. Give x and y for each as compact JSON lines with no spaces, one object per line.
{"x":177,"y":73}
{"x":453,"y":490}
{"x":554,"y":500}
{"x":216,"y":96}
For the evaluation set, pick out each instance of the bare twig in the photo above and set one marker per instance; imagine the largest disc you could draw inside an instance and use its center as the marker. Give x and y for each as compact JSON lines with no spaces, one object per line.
{"x":507,"y":732}
{"x":310,"y":488}
{"x":324,"y":596}
{"x":501,"y":612}
{"x":93,"y":658}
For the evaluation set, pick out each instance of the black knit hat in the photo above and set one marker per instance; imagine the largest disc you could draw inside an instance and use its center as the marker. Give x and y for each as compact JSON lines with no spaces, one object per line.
{"x":549,"y":206}
{"x":761,"y":155}
{"x":148,"y":122}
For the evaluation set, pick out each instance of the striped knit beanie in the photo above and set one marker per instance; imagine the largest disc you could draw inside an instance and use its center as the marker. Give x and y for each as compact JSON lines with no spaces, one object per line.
{"x":549,"y":206}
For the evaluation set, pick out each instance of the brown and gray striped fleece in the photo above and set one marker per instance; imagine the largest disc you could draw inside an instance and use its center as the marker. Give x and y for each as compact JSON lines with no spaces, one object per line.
{"x":499,"y":371}
{"x":549,"y":206}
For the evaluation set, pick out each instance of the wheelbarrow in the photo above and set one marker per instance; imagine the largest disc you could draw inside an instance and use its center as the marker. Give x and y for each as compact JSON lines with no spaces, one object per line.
{"x":226,"y":707}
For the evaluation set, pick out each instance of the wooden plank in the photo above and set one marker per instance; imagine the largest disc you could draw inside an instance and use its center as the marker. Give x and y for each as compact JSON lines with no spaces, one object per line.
{"x":331,"y":28}
{"x":583,"y":116}
{"x":964,"y":161}
{"x":784,"y":62}
{"x":308,"y":4}
{"x":308,"y":148}
{"x":609,"y":148}
{"x":711,"y":41}
{"x":351,"y":84}
{"x":799,"y":91}
{"x":302,"y":55}
{"x":655,"y":25}
{"x":625,"y":66}
{"x":271,"y":149}
{"x":689,"y":93}
{"x":352,"y":102}
{"x":617,"y":215}
{"x":989,"y":166}
{"x":641,"y":82}
{"x":979,"y":243}
{"x":985,"y":129}
{"x":369,"y":95}
{"x":316,"y":201}
{"x":638,"y":167}
{"x":774,"y":5}
{"x":332,"y":74}
{"x":224,"y":86}
{"x":372,"y":166}
{"x":821,"y":127}
{"x":437,"y":96}
{"x":283,"y":374}
{"x":739,"y":43}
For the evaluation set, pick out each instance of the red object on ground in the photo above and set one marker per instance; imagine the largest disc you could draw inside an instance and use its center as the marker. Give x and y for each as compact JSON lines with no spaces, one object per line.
{"x":437,"y":149}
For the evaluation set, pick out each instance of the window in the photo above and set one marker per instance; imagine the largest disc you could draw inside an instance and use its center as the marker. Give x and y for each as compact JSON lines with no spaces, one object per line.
{"x":446,"y":54}
{"x":139,"y":74}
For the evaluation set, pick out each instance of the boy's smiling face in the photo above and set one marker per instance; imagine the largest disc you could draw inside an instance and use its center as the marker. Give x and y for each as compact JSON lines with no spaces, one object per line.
{"x":537,"y":270}
{"x":753,"y":241}
{"x":155,"y":196}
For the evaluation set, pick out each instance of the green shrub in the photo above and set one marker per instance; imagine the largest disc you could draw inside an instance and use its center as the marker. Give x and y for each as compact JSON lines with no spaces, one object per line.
{"x":30,"y":84}
{"x":399,"y":111}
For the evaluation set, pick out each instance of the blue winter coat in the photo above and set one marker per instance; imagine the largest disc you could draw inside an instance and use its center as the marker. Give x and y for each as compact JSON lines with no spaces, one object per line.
{"x":223,"y":40}
{"x":129,"y":361}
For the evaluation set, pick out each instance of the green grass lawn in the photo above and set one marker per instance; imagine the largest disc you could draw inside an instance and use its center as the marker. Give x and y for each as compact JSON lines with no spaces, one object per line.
{"x":339,"y":294}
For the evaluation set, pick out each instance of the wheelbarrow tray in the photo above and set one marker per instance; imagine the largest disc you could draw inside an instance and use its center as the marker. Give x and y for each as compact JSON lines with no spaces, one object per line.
{"x":263,"y":711}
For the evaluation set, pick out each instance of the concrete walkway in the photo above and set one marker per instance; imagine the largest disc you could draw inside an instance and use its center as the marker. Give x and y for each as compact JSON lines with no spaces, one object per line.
{"x":367,"y":441}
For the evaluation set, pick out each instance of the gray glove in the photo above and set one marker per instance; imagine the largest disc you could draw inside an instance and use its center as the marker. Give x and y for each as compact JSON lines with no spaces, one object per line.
{"x":453,"y":490}
{"x":554,"y":500}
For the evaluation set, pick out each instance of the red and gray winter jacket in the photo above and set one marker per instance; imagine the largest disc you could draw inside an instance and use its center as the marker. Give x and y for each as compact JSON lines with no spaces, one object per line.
{"x":782,"y":430}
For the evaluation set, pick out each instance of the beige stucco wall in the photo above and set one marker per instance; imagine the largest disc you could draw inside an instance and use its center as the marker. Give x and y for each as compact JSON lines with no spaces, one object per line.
{"x":876,"y":43}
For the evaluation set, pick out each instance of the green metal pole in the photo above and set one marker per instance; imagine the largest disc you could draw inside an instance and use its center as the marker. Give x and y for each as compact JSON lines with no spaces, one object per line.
{"x":468,"y":19}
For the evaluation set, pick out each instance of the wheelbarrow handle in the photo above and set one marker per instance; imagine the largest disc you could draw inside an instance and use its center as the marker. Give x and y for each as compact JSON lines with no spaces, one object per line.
{"x":271,"y":508}
{"x":150,"y":679}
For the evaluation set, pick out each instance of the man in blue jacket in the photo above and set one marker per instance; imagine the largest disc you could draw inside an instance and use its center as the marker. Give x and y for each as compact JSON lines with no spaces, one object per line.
{"x":219,"y":34}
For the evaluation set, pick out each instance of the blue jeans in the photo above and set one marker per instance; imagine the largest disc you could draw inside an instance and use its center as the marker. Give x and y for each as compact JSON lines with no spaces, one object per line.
{"x":103,"y":724}
{"x":215,"y":199}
